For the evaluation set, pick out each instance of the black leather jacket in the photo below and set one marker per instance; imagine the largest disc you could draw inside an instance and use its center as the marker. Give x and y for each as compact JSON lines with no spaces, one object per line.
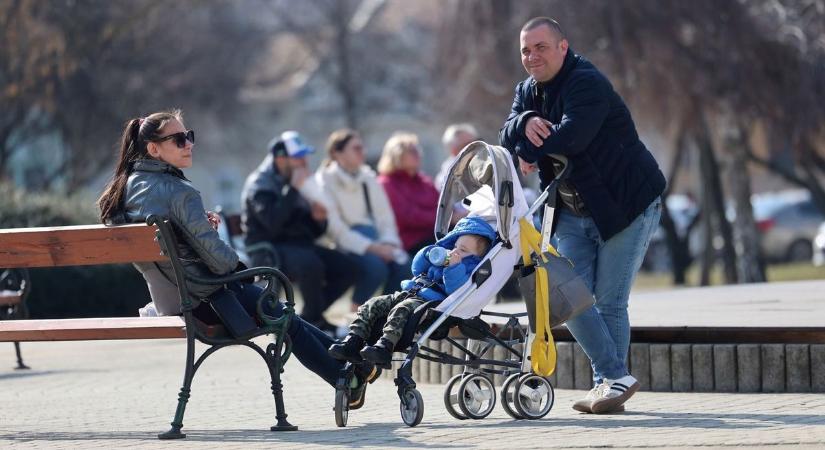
{"x":155,"y":187}
{"x":274,"y":212}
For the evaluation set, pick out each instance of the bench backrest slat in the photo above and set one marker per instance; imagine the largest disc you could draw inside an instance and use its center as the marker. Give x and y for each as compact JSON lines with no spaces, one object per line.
{"x":78,"y":245}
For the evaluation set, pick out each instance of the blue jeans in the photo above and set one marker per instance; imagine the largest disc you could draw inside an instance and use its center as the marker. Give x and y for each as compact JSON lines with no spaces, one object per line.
{"x":608,"y":268}
{"x":309,"y":344}
{"x":375,"y":272}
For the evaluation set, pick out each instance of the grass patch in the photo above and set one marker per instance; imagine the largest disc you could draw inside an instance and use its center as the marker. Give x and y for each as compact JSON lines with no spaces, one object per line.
{"x":647,"y":281}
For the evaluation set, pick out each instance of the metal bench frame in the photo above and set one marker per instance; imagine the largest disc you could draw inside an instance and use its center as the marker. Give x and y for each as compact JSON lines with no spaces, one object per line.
{"x":276,"y":353}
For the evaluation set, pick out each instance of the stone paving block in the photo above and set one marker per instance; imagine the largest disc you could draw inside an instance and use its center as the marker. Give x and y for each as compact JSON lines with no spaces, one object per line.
{"x":458,"y":353}
{"x":582,"y":371}
{"x":702,"y":367}
{"x":798,"y":368}
{"x":640,"y":363}
{"x":724,"y":367}
{"x":445,"y":369}
{"x":773,"y":368}
{"x":554,"y":378}
{"x":422,"y":368}
{"x":681,"y":368}
{"x":564,"y":365}
{"x":435,"y":369}
{"x":499,"y":353}
{"x":748,"y":368}
{"x":660,"y":378}
{"x":818,"y":368}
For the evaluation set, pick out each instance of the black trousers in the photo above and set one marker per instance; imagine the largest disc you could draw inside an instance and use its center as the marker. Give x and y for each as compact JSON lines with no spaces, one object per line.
{"x":322,"y":275}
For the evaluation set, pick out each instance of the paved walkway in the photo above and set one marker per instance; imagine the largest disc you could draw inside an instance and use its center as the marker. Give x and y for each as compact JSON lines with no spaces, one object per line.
{"x":120,"y":394}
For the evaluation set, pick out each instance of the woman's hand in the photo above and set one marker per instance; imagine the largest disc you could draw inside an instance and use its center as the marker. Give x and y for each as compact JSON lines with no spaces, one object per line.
{"x":214,"y":219}
{"x":383,"y":251}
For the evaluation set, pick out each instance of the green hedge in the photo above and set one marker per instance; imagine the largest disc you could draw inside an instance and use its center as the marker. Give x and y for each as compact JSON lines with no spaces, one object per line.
{"x":68,"y":292}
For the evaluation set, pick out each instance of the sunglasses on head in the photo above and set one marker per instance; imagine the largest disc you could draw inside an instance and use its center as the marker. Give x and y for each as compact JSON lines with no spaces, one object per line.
{"x":180,"y":138}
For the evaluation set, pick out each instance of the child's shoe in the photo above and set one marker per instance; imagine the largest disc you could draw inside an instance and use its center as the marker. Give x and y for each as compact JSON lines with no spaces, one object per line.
{"x":347,"y":349}
{"x":379,"y":354}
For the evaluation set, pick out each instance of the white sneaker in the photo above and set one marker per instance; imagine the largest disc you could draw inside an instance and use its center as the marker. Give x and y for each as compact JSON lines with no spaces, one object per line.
{"x":613,"y":397}
{"x":584,"y":405}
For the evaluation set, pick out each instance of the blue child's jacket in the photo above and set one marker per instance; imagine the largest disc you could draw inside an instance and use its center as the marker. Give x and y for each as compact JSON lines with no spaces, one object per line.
{"x":448,"y":279}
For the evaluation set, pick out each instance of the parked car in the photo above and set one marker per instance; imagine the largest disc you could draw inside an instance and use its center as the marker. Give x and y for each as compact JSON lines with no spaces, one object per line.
{"x":789,"y":222}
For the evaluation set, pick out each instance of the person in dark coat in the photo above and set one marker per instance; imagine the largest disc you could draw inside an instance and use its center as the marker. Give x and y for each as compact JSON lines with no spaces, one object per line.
{"x":281,"y":221}
{"x":610,"y":203}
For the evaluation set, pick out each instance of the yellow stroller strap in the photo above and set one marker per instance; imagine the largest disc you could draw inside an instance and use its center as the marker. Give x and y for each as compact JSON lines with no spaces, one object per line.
{"x":543,"y":350}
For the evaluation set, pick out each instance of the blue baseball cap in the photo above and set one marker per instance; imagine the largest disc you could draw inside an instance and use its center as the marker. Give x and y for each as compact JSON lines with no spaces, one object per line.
{"x":290,"y":144}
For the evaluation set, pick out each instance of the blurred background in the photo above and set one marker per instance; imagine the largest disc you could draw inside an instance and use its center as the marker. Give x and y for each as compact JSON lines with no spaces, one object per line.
{"x":728,"y":95}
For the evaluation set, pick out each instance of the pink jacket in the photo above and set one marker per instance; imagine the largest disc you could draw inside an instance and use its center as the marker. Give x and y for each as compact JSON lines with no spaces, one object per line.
{"x":414,"y":201}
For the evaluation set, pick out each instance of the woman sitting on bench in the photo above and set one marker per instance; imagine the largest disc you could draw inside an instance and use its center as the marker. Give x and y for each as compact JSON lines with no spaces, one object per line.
{"x":148,"y":180}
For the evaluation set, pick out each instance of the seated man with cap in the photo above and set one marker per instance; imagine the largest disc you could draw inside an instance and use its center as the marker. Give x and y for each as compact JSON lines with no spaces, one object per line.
{"x":283,"y":214}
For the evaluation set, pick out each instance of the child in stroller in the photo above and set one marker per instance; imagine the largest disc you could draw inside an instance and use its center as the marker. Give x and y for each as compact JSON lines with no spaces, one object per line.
{"x":433,"y":281}
{"x":483,"y":177}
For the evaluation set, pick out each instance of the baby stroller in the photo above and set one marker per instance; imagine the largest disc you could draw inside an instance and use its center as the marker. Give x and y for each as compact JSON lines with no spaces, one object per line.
{"x":484,"y":178}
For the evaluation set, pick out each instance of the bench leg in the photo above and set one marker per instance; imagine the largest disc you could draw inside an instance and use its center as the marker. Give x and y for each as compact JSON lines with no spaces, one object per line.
{"x":20,"y":365}
{"x":275,"y":364}
{"x":183,"y":397}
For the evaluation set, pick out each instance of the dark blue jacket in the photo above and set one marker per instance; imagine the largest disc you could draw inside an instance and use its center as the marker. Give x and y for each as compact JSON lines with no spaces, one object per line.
{"x":612,"y":169}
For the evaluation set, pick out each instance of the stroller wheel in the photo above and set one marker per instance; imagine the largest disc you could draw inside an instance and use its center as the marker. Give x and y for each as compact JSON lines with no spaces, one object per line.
{"x":508,"y":396}
{"x":451,"y":397}
{"x":534,"y":396}
{"x":341,"y":407}
{"x":476,"y":396}
{"x":412,"y":407}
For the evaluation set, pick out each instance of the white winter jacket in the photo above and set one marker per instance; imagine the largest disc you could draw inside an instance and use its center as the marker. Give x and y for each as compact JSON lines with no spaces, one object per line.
{"x":348,"y":207}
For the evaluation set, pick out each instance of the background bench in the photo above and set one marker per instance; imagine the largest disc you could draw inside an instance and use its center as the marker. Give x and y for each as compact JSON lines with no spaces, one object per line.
{"x":99,"y":244}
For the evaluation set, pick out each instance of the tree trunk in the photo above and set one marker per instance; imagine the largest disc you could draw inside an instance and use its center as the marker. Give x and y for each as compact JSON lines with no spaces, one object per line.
{"x":714,"y":206}
{"x":343,"y":55}
{"x":746,"y":236}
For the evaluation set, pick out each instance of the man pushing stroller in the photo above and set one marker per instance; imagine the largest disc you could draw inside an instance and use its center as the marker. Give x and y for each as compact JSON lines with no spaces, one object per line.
{"x":434,"y":278}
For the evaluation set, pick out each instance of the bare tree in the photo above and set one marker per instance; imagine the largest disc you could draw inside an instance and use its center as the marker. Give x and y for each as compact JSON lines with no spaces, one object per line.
{"x":83,"y":69}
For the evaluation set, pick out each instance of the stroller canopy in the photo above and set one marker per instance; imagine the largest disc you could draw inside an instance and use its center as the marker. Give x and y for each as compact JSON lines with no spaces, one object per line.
{"x":484,"y":179}
{"x":485,"y":176}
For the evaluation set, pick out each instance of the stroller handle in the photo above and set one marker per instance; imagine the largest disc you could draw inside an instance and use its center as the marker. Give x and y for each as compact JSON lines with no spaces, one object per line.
{"x":565,"y":171}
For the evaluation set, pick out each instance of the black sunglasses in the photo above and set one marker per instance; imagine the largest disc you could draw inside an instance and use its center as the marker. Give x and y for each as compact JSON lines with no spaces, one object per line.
{"x":180,"y":138}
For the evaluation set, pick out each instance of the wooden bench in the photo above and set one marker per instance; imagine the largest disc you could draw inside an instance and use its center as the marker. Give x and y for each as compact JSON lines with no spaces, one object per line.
{"x":98,"y":244}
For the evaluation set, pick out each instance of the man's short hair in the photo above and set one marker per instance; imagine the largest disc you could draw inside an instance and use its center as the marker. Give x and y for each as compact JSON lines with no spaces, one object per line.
{"x":448,"y":139}
{"x":536,"y":22}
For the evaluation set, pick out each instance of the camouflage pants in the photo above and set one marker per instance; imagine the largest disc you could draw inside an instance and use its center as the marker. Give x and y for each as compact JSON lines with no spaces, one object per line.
{"x":395,"y":307}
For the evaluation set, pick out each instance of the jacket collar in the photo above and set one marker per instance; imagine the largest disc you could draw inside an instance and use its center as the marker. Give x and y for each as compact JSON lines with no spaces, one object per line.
{"x":345,"y":178}
{"x":551,"y":88}
{"x":153,"y":165}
